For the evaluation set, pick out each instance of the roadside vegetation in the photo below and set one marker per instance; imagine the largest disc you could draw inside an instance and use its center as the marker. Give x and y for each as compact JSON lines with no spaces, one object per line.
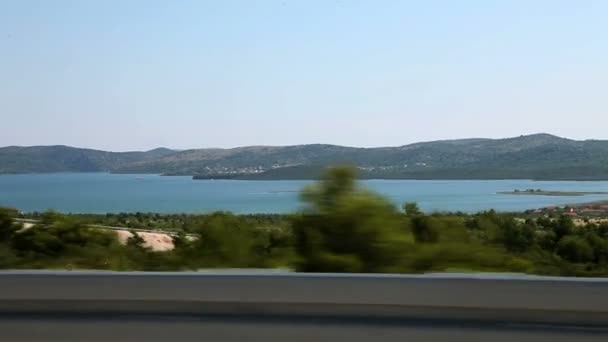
{"x":342,"y":228}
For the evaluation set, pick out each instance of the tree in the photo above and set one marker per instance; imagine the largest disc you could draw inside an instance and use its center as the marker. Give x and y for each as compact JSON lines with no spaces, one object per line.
{"x":180,"y":240}
{"x":547,"y":240}
{"x":274,"y":246}
{"x":424,"y":230}
{"x":224,"y":241}
{"x":422,"y":227}
{"x":600,"y":247}
{"x":603,"y":229}
{"x":516,"y":237}
{"x":37,"y":240}
{"x":411,"y":209}
{"x":69,"y":231}
{"x":346,"y":229}
{"x":564,"y":226}
{"x":574,"y":249}
{"x":7,"y":226}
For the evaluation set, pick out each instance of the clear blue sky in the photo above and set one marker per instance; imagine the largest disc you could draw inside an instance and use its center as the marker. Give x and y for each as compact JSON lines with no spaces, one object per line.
{"x":123,"y":75}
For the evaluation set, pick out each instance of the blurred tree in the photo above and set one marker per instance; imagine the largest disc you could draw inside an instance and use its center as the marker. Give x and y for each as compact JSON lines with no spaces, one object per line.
{"x":599,"y":246}
{"x":603,"y":229}
{"x":411,"y":209}
{"x":425,"y":229}
{"x":574,"y":249}
{"x":547,"y":240}
{"x":516,"y":237}
{"x":224,"y":241}
{"x":37,"y":240}
{"x":346,"y":229}
{"x":564,"y":226}
{"x":180,"y":240}
{"x":422,"y":226}
{"x":7,"y":226}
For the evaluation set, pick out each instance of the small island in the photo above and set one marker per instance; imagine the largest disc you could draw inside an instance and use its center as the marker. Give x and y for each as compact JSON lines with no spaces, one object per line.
{"x":540,"y":192}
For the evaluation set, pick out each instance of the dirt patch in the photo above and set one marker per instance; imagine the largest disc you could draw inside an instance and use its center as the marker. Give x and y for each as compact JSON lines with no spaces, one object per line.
{"x":158,"y":242}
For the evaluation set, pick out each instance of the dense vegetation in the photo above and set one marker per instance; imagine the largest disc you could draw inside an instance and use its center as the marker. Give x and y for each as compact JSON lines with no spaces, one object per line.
{"x":539,"y":156}
{"x":343,"y":228}
{"x":187,"y":223}
{"x":14,"y":159}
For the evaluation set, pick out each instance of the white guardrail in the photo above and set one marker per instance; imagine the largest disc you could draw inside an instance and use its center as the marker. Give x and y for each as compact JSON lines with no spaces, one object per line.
{"x":447,"y":296}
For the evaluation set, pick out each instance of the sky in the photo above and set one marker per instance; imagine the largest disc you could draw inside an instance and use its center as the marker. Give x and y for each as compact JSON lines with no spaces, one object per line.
{"x":135,"y":75}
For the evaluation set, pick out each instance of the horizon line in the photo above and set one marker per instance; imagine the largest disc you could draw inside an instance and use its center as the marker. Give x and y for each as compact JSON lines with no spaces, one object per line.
{"x":304,"y":144}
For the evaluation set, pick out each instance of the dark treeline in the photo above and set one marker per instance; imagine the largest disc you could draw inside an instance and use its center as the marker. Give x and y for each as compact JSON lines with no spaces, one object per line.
{"x":67,"y":242}
{"x":342,"y":228}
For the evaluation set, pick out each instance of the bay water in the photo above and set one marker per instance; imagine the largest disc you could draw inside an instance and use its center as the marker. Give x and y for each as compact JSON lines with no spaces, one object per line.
{"x":103,"y":192}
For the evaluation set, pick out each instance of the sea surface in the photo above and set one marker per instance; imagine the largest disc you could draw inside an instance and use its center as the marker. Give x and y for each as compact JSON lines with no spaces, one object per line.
{"x":102,"y":192}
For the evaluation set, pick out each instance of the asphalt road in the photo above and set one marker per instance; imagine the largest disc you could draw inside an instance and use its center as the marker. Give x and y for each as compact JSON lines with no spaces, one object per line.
{"x":49,"y":329}
{"x":175,"y":307}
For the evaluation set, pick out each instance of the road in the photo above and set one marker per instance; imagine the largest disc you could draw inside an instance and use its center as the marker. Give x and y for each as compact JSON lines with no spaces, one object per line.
{"x":226,"y":329}
{"x":241,"y":306}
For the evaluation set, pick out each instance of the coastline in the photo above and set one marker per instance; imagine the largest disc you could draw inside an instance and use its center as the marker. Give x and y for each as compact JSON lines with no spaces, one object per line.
{"x":551,"y":193}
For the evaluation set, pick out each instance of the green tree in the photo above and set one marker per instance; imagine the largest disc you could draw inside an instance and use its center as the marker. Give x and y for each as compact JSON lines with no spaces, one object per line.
{"x":224,"y":241}
{"x":38,"y":241}
{"x":180,"y":240}
{"x":564,"y":226}
{"x":347,"y":229}
{"x":547,"y":240}
{"x":603,"y":229}
{"x":575,"y":249}
{"x":600,"y":248}
{"x":274,"y":246}
{"x":517,"y":237}
{"x":7,"y":226}
{"x":411,"y":209}
{"x":424,"y":229}
{"x":484,"y":226}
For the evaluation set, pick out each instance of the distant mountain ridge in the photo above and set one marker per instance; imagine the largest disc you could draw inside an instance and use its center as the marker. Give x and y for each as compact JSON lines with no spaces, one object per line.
{"x":60,"y":158}
{"x":538,"y":156}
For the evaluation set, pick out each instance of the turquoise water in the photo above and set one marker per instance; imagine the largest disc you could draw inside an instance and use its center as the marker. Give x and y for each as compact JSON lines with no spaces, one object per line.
{"x":101,"y":193}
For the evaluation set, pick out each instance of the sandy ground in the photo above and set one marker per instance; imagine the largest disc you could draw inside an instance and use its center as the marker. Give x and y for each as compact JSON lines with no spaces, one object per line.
{"x":27,"y":225}
{"x":157,"y":242}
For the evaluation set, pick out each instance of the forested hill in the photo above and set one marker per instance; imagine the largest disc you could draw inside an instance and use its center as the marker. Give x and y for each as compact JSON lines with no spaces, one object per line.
{"x":44,"y":159}
{"x":539,"y":156}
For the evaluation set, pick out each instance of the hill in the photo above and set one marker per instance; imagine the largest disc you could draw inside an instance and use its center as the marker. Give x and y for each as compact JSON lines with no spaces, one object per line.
{"x":539,"y":156}
{"x":45,"y":159}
